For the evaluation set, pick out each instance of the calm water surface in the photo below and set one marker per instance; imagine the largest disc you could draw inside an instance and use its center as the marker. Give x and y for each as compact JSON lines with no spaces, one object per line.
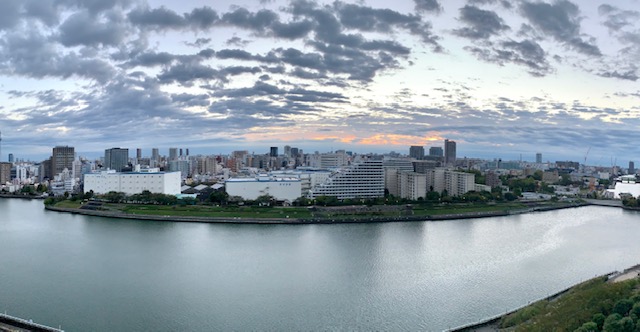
{"x":99,"y":274}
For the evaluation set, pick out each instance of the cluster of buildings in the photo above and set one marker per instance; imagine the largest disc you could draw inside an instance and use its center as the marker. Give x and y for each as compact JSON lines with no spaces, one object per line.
{"x":285,"y":176}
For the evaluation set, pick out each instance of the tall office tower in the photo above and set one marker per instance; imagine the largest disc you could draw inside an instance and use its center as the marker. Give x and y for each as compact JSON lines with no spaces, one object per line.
{"x":155,"y":154}
{"x":138,"y":155}
{"x":287,"y":150}
{"x":416,"y":151}
{"x":11,"y":157}
{"x":173,"y":153}
{"x":449,"y":152}
{"x":632,"y":168}
{"x":116,"y":158}
{"x":436,"y":151}
{"x":180,"y":152}
{"x":5,"y":172}
{"x":295,"y":152}
{"x":187,"y":152}
{"x":61,"y":158}
{"x":273,"y":152}
{"x":539,"y":158}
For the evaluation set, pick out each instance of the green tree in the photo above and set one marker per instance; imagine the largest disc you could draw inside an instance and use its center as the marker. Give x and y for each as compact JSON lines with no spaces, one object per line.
{"x":612,"y":323}
{"x":588,"y":327}
{"x":265,"y":200}
{"x":433,"y":196}
{"x":509,"y":196}
{"x":623,"y":307}
{"x":219,"y":197}
{"x":537,"y":175}
{"x":599,"y":320}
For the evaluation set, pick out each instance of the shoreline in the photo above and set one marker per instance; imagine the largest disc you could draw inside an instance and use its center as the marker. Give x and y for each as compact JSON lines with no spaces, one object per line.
{"x":304,"y":221}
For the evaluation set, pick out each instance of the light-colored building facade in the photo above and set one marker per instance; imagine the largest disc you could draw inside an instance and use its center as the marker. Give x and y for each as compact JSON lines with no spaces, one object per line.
{"x":130,"y":183}
{"x":361,"y":180}
{"x":412,"y":185}
{"x":282,"y":189}
{"x":455,"y":183}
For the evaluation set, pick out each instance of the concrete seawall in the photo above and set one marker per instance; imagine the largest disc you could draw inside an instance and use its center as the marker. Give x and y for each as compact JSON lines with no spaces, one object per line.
{"x":18,"y":324}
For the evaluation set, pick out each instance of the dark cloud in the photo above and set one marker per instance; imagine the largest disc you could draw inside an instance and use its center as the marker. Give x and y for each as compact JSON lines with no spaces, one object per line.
{"x":9,"y":13}
{"x":630,"y":75}
{"x":561,"y":21}
{"x":83,"y":29}
{"x":481,"y":24}
{"x":428,"y":6}
{"x":236,"y":41}
{"x":617,"y":19}
{"x":202,"y":18}
{"x":30,"y":54}
{"x":157,"y":18}
{"x":199,"y":42}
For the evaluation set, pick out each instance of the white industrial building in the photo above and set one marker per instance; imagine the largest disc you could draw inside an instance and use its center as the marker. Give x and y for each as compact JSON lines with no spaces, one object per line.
{"x":361,"y":180}
{"x":130,"y":183}
{"x":281,"y":188}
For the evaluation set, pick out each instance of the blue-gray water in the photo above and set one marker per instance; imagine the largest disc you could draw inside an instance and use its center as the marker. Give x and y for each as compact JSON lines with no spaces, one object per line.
{"x":99,"y":274}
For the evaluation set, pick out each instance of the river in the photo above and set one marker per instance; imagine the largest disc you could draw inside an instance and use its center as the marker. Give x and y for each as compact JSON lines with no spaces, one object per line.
{"x":99,"y":274}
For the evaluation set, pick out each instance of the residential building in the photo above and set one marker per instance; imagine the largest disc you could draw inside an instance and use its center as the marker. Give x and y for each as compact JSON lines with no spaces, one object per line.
{"x":539,"y":158}
{"x":455,"y":183}
{"x":412,"y":185}
{"x":361,"y":180}
{"x":632,"y":168}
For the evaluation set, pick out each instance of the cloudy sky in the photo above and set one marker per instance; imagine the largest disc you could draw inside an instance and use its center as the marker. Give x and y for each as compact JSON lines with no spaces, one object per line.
{"x":502,"y":78}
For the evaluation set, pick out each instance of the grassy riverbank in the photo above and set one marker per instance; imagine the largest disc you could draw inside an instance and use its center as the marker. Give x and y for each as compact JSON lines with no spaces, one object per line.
{"x":313,"y":213}
{"x":606,"y":303}
{"x":587,"y":304}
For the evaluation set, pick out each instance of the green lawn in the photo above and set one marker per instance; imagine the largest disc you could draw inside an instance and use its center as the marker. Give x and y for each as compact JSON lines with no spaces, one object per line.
{"x":224,"y":212}
{"x":69,"y":204}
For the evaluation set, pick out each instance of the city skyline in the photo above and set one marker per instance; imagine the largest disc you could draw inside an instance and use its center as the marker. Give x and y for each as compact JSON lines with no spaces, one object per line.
{"x":502,"y":79}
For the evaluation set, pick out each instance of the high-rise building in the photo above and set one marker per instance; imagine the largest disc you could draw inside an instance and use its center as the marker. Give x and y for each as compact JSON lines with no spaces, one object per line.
{"x":138,"y":154}
{"x":61,"y":158}
{"x":632,"y":168}
{"x":449,"y":152}
{"x":5,"y":172}
{"x":273,"y":152}
{"x":116,"y":158}
{"x":287,"y":151}
{"x":10,"y":157}
{"x":294,"y":152}
{"x":436,"y":151}
{"x":361,"y":180}
{"x":539,"y":158}
{"x":173,"y":154}
{"x":416,"y":151}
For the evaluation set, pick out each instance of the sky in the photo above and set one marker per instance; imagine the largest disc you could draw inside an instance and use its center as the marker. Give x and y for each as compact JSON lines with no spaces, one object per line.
{"x":503,"y":79}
